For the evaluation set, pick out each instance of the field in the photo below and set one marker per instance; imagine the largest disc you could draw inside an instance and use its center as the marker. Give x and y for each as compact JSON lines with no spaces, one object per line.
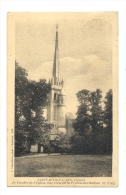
{"x":64,"y":166}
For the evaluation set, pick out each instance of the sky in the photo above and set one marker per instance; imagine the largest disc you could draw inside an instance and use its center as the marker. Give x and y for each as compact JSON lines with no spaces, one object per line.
{"x":85,"y":49}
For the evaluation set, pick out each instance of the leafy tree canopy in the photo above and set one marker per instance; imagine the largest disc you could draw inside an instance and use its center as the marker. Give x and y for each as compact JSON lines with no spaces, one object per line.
{"x":30,"y":100}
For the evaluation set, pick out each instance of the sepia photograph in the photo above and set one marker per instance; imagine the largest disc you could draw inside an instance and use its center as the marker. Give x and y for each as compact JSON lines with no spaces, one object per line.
{"x":62,"y":99}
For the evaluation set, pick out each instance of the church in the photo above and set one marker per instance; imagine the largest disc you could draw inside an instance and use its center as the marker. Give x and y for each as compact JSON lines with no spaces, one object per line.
{"x":56,"y":108}
{"x":55,"y":112}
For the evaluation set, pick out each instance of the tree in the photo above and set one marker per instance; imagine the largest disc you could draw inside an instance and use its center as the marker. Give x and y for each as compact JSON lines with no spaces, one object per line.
{"x":64,"y":143}
{"x":93,"y":124}
{"x":96,"y":111}
{"x":108,"y":120}
{"x":89,"y":121}
{"x":84,"y":97}
{"x":21,"y":84}
{"x":82,"y":121}
{"x":108,"y":109}
{"x":30,"y":99}
{"x":89,"y":114}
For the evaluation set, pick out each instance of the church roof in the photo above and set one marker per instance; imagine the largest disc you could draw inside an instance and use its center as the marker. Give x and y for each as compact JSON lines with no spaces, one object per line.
{"x":70,"y":115}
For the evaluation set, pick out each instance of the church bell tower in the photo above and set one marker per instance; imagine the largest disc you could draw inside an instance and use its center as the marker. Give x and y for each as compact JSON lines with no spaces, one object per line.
{"x":56,"y":109}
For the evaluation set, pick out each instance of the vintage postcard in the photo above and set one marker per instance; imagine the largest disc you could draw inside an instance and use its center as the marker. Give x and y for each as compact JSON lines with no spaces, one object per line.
{"x":62,"y":99}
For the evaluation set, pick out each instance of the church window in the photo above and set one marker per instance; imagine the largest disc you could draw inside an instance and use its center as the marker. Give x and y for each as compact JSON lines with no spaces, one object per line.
{"x":55,"y":96}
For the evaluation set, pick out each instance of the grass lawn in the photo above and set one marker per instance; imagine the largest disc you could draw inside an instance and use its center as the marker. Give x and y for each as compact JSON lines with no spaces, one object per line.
{"x":64,"y":166}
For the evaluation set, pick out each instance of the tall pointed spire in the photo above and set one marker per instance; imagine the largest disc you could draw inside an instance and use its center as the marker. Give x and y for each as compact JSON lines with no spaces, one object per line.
{"x":56,"y":59}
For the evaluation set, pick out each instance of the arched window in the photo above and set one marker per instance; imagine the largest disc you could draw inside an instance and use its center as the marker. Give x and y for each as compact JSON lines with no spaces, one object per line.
{"x":55,"y":96}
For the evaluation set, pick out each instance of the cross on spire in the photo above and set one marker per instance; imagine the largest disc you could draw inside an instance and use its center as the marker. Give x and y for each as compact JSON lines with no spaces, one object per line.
{"x":56,"y":27}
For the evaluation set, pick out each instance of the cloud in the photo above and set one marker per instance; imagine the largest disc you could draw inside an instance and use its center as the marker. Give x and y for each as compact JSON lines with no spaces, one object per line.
{"x":43,"y":71}
{"x":85,"y":52}
{"x":90,"y":73}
